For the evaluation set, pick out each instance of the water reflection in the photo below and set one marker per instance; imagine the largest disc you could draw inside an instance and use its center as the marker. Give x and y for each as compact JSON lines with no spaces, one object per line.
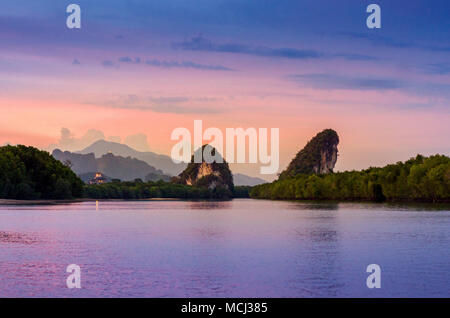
{"x":210,"y":205}
{"x":208,"y":233}
{"x":239,"y":248}
{"x":17,"y":238}
{"x":317,"y":235}
{"x":327,"y":206}
{"x":417,"y":206}
{"x":319,"y":252}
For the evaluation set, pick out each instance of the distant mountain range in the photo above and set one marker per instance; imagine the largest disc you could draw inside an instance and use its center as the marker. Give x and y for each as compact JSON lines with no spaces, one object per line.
{"x":119,"y":161}
{"x":162,"y":162}
{"x":240,"y":179}
{"x":115,"y":167}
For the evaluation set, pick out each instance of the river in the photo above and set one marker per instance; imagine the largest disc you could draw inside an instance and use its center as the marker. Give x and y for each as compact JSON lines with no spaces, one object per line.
{"x":239,"y":248}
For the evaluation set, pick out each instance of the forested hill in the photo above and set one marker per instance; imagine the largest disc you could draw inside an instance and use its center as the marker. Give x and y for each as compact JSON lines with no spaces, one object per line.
{"x":418,"y":179}
{"x":29,"y":173}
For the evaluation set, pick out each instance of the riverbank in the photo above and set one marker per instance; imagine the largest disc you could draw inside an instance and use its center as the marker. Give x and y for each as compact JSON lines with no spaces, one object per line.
{"x":4,"y":202}
{"x":39,"y":202}
{"x":418,"y":179}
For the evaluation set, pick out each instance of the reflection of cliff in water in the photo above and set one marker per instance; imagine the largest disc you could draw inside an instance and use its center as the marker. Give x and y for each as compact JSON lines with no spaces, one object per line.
{"x":313,"y":205}
{"x":208,"y":205}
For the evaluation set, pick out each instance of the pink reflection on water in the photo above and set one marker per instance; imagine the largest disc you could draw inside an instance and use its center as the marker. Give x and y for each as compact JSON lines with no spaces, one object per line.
{"x":17,"y":238}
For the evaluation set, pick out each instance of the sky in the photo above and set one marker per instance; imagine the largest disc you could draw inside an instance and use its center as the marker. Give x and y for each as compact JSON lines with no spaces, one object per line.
{"x":136,"y":70}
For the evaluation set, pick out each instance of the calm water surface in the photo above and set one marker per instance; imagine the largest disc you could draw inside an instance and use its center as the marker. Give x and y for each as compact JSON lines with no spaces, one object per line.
{"x":241,"y":248}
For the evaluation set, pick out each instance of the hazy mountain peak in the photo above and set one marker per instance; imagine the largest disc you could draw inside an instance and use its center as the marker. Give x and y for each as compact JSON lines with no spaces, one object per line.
{"x":244,"y":180}
{"x":163,"y":162}
{"x":101,"y":147}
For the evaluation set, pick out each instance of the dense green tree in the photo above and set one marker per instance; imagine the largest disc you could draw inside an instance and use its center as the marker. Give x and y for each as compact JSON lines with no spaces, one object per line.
{"x":29,"y":173}
{"x":146,"y":190}
{"x":420,"y":178}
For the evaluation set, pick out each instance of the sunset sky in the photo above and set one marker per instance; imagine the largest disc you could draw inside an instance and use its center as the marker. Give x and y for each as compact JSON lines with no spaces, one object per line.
{"x":138,"y":69}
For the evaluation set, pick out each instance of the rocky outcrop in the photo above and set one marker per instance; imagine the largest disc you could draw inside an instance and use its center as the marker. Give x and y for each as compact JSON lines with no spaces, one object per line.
{"x":204,"y":170}
{"x":318,"y":156}
{"x":211,"y":175}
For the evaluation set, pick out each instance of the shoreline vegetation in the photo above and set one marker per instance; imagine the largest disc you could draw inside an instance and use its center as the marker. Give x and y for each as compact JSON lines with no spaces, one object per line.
{"x":419,"y":179}
{"x":29,"y":175}
{"x":151,"y":190}
{"x":310,"y":176}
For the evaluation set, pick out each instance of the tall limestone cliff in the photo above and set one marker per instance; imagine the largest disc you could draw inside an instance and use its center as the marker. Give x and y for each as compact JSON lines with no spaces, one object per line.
{"x":212,"y":175}
{"x":318,"y":156}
